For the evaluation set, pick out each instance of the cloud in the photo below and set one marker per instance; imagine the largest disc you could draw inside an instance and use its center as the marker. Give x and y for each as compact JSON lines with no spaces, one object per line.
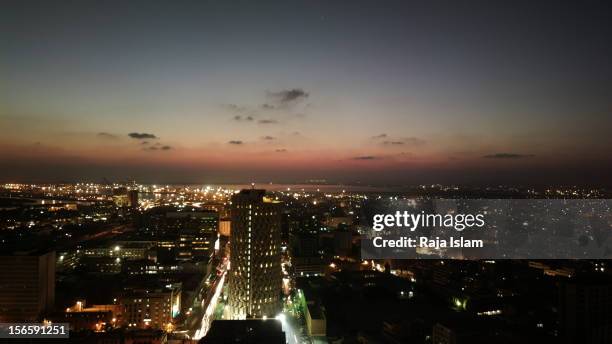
{"x":235,"y":142}
{"x":239,"y":118}
{"x":366,"y":157}
{"x":290,"y":96}
{"x":235,"y":108}
{"x":381,"y":136}
{"x":508,"y":156}
{"x":142,"y":136}
{"x":267,"y":121}
{"x":158,"y":148}
{"x":281,"y":150}
{"x":412,"y":141}
{"x":107,"y":135}
{"x":268,"y":138}
{"x":281,"y":100}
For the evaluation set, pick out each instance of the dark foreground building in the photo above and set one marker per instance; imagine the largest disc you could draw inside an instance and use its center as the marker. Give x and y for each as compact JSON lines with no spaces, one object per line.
{"x":245,"y":332}
{"x":27,"y":285}
{"x":585,"y":308}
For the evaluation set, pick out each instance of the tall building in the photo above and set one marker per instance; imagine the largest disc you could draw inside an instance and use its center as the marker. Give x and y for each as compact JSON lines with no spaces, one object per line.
{"x":585,"y":309}
{"x":133,"y":198}
{"x":255,"y":277}
{"x":27,"y":286}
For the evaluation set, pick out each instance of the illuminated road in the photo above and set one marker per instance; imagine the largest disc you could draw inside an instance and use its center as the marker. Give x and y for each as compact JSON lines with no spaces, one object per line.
{"x":290,"y":334}
{"x":210,"y":304}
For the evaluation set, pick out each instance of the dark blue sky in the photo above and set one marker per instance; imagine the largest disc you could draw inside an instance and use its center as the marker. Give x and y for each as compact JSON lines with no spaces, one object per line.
{"x":298,"y":89}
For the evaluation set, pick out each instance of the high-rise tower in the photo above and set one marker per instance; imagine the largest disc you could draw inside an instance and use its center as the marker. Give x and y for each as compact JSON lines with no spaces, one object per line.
{"x":27,"y":285}
{"x":255,"y":277}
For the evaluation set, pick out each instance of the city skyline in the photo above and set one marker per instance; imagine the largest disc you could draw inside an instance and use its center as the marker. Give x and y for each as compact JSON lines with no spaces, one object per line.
{"x":183,"y":263}
{"x":348,"y":92}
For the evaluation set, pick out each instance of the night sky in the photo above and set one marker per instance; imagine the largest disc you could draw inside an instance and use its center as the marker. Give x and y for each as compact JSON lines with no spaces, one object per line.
{"x":368,"y":91}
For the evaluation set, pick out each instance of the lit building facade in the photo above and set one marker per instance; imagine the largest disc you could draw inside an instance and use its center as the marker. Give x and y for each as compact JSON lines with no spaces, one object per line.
{"x":151,"y":308}
{"x":255,"y":277}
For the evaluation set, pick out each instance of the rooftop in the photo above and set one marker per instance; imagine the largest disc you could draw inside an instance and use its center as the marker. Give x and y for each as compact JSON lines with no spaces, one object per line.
{"x":245,"y":331}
